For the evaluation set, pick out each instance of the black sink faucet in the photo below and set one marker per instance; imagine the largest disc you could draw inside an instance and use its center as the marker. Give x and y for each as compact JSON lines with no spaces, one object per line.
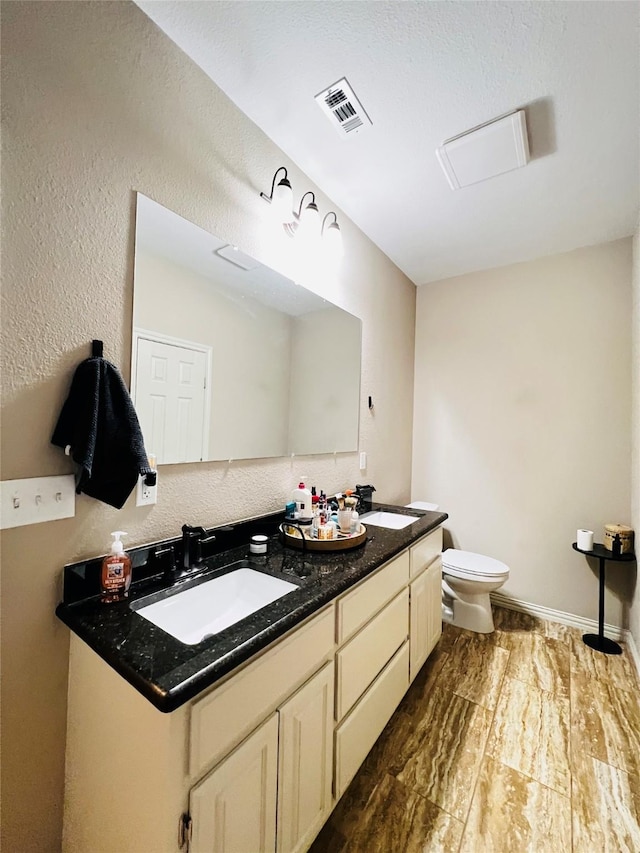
{"x":365,"y":497}
{"x":193,"y":538}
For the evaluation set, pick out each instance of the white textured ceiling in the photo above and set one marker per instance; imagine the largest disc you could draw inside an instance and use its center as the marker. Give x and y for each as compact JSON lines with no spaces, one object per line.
{"x":426,"y":71}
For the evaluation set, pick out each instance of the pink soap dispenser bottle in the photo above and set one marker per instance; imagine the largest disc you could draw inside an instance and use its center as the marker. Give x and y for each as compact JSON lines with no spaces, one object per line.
{"x":115,"y":577}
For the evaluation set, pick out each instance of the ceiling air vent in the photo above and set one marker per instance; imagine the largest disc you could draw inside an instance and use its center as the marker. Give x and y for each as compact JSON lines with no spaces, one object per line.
{"x":343,"y":109}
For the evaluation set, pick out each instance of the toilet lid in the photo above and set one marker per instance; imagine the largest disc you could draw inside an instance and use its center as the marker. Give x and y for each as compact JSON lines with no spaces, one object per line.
{"x":423,"y":505}
{"x":473,"y":564}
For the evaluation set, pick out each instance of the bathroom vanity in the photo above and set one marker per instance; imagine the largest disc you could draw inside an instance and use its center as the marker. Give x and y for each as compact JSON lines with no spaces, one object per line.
{"x":267,"y":722}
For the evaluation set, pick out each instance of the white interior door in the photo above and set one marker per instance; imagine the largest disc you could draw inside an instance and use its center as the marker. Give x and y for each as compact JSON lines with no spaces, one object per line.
{"x":170,"y":395}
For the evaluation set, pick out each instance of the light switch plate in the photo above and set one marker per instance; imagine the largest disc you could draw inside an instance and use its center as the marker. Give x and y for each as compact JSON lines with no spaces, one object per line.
{"x":37,"y":499}
{"x":363,"y":461}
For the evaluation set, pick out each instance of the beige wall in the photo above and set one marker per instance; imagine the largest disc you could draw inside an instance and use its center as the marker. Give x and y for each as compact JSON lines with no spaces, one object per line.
{"x":522,"y":417}
{"x":98,"y":104}
{"x":634,"y":616}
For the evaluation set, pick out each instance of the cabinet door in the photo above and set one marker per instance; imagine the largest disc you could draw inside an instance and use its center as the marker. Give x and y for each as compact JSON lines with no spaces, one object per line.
{"x":426,"y":614}
{"x":233,"y":809}
{"x":305,"y":762}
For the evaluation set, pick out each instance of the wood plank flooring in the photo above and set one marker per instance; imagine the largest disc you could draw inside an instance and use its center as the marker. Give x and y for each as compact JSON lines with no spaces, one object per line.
{"x":520,"y":740}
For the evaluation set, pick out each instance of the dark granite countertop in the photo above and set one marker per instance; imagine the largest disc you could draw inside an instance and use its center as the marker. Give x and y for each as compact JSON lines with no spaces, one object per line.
{"x":168,"y":672}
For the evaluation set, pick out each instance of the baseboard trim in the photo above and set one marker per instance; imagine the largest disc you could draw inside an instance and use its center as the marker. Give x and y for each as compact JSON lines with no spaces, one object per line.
{"x":633,"y":650}
{"x":589,"y":626}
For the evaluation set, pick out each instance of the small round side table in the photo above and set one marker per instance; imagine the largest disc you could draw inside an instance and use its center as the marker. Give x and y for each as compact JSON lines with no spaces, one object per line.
{"x":598,"y":641}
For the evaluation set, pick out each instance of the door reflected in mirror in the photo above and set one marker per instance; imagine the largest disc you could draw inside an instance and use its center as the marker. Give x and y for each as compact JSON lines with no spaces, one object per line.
{"x":231,"y":360}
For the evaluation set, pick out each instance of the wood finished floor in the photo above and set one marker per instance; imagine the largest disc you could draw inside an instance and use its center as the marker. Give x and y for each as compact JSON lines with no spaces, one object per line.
{"x":520,"y":740}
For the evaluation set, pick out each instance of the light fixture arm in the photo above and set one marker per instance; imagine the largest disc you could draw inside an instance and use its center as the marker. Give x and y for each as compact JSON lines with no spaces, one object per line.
{"x":335,"y":220}
{"x":313,"y":201}
{"x":269,"y":198}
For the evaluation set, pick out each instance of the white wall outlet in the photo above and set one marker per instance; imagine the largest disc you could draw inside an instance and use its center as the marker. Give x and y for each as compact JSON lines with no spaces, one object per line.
{"x":146,"y":495}
{"x":37,"y":499}
{"x":363,"y":461}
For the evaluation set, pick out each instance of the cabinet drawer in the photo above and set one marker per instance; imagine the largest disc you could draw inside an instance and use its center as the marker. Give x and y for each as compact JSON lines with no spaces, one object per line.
{"x":357,"y":734}
{"x":221,"y":719}
{"x":360,"y":661}
{"x":357,"y":607}
{"x":425,"y":551}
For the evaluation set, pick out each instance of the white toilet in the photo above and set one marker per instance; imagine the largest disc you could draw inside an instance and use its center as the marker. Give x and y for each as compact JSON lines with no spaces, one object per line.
{"x":467,"y":580}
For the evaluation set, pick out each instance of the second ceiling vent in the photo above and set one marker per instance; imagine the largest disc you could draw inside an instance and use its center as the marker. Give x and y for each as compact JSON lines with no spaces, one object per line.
{"x":491,"y":149}
{"x":344,"y":110}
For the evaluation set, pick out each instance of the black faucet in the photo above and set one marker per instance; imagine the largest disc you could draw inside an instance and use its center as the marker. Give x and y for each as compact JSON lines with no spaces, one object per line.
{"x":365,"y":497}
{"x":193,"y":540}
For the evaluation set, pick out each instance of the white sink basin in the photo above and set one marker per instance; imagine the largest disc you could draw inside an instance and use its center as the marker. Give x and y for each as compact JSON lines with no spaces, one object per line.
{"x":391,"y":520}
{"x":212,"y":606}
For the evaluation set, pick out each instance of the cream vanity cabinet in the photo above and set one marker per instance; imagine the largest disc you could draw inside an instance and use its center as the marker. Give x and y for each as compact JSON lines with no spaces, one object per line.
{"x":254,"y":753}
{"x":238,"y":805}
{"x":257,"y":763}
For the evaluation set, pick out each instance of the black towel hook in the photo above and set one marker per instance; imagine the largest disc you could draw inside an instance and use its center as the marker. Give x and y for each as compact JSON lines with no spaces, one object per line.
{"x":96,"y":349}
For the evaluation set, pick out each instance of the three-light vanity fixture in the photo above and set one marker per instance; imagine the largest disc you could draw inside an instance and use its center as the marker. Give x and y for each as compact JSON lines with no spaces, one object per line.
{"x":304,"y":224}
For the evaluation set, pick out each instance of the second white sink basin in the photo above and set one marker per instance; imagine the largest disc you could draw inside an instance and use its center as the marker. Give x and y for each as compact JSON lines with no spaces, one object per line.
{"x":391,"y":520}
{"x":210,"y":607}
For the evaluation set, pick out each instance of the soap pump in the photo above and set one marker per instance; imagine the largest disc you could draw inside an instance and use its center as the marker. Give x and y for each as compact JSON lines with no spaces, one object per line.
{"x":302,"y":498}
{"x":116,"y":572}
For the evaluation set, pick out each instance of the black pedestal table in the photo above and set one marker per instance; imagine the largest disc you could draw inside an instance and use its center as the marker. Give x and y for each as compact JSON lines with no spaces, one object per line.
{"x":598,"y":641}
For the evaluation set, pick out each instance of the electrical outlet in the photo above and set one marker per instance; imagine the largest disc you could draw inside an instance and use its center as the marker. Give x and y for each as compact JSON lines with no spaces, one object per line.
{"x":363,"y":461}
{"x":37,"y":499}
{"x":146,"y":495}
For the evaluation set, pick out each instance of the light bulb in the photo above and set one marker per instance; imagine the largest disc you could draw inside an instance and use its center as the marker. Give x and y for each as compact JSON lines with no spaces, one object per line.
{"x":282,"y":201}
{"x":309,"y":225}
{"x":332,"y":240}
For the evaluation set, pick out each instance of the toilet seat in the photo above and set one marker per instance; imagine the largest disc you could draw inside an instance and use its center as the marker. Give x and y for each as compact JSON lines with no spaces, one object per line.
{"x":466,"y":564}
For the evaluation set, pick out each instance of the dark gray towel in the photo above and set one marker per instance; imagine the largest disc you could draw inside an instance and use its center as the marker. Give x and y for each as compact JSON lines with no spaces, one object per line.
{"x":100,"y":424}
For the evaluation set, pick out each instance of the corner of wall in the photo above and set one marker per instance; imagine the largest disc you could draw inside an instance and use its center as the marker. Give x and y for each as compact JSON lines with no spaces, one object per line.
{"x":634,"y":615}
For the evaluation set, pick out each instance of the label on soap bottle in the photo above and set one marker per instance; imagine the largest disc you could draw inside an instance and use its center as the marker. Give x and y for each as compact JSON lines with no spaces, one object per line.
{"x":114,"y":575}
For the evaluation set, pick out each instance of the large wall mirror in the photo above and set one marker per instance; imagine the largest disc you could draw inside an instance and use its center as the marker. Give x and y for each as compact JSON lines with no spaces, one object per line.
{"x":230,"y":359}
